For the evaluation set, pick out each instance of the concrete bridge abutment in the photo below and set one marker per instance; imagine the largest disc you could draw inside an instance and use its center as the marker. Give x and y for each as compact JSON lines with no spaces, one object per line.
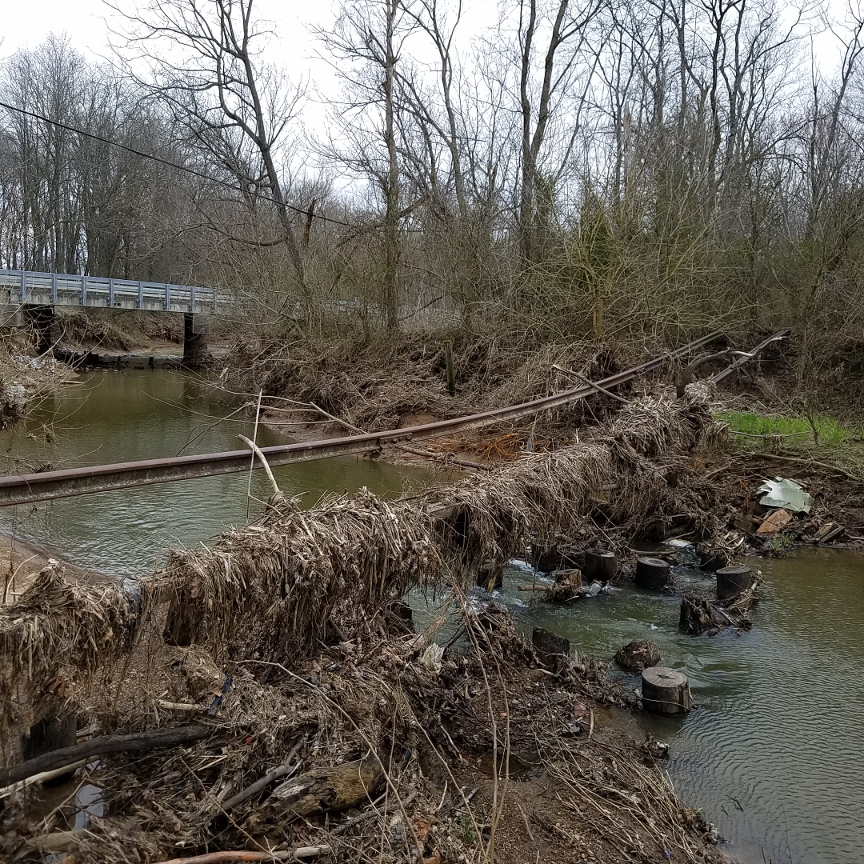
{"x":195,"y":328}
{"x":41,"y":320}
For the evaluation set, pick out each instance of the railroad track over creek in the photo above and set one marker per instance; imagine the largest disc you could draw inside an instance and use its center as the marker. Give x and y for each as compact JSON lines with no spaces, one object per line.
{"x":69,"y":482}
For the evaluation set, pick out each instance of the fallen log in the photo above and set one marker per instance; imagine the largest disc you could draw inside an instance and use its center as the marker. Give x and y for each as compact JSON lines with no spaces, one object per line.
{"x":105,"y":745}
{"x":321,"y":790}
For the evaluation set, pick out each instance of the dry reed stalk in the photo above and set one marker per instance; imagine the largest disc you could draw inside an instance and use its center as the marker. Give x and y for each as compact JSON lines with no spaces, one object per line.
{"x":272,"y":587}
{"x":54,"y":637}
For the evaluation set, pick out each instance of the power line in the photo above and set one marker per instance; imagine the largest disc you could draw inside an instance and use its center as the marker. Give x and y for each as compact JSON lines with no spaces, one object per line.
{"x":309,"y":214}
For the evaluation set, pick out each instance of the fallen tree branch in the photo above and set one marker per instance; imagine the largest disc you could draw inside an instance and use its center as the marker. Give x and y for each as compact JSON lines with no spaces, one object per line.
{"x":297,"y":854}
{"x":263,"y":459}
{"x":105,"y":745}
{"x":6,"y":791}
{"x":799,"y":460}
{"x":284,"y":770}
{"x":590,"y":383}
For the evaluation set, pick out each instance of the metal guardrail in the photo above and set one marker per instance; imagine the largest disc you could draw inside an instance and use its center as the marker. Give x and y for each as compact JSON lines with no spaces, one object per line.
{"x":68,"y":482}
{"x":18,"y":287}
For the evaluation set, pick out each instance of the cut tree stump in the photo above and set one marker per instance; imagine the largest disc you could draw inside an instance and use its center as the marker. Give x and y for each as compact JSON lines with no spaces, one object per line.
{"x":665,"y":691}
{"x":491,"y":575}
{"x":321,"y":790}
{"x":600,"y":565}
{"x":732,"y":581}
{"x":545,"y":558}
{"x":54,"y":732}
{"x":652,"y":572}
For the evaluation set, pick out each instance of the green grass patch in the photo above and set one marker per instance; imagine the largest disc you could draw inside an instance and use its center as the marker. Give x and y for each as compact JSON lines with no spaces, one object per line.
{"x":795,"y":430}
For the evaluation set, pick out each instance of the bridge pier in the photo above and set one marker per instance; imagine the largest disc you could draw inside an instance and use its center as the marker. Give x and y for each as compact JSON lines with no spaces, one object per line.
{"x":195,"y":328}
{"x":40,"y":319}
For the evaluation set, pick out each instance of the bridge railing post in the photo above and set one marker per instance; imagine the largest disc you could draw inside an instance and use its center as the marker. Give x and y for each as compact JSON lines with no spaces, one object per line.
{"x":192,"y":298}
{"x":167,"y":297}
{"x":83,"y":290}
{"x":140,"y":294}
{"x":23,"y":285}
{"x":111,"y":292}
{"x":54,"y":289}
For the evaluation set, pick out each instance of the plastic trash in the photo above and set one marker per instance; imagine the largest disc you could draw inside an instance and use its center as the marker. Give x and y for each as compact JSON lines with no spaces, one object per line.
{"x":787,"y":494}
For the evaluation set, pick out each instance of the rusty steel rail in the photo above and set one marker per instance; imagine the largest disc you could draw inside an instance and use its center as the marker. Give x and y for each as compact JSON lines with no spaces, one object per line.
{"x":743,"y":357}
{"x":68,"y":482}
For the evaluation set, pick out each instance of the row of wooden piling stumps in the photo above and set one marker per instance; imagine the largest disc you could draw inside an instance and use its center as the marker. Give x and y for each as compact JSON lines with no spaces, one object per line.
{"x":664,"y":690}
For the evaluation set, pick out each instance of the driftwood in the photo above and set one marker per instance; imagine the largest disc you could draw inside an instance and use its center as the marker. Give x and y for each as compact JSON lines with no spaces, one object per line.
{"x":321,"y":790}
{"x":105,"y":745}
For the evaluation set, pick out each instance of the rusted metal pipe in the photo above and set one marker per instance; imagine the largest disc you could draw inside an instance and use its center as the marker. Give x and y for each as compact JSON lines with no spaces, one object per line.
{"x":68,"y":482}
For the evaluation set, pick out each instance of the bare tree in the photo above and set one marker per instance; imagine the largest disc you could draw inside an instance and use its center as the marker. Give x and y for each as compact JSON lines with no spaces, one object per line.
{"x":203,"y":60}
{"x":366,"y":44}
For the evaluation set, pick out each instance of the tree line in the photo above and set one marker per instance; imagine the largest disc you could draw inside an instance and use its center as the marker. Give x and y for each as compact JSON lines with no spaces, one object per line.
{"x":605,"y":166}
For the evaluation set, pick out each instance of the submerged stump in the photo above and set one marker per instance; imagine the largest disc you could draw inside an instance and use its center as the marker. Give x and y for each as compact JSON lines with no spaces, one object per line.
{"x":491,"y":576}
{"x":732,"y":581}
{"x":665,"y":691}
{"x":698,"y":615}
{"x":600,"y":565}
{"x":638,"y":655}
{"x":652,"y":572}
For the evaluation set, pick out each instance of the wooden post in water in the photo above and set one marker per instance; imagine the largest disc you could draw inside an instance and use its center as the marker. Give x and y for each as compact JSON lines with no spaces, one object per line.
{"x":549,"y":645}
{"x":600,"y":565}
{"x":665,"y":691}
{"x":732,"y":581}
{"x":54,"y":732}
{"x":652,"y":572}
{"x":448,"y":361}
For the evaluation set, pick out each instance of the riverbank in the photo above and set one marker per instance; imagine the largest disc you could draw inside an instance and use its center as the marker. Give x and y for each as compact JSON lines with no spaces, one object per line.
{"x":26,"y":380}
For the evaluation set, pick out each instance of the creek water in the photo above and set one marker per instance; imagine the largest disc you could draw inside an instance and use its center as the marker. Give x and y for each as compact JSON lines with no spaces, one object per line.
{"x":146,"y":414}
{"x":772,"y":755}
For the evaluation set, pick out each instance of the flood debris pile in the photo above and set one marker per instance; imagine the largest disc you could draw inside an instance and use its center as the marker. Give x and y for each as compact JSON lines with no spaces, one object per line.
{"x":53,"y":640}
{"x":329,"y":730}
{"x":383,"y":746}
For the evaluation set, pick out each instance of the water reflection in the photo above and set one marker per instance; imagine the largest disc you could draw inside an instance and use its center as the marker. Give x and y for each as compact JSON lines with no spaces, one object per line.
{"x":143,"y":414}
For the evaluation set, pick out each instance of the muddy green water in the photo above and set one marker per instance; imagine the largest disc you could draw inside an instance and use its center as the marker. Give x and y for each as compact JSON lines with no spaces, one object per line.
{"x":773,"y":755}
{"x":119,"y":417}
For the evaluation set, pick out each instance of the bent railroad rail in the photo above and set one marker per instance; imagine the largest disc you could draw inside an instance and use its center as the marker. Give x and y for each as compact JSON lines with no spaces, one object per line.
{"x":69,"y":482}
{"x":30,"y":287}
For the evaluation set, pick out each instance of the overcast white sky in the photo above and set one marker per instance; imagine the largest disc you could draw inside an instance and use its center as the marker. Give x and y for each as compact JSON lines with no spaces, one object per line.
{"x":25,"y":23}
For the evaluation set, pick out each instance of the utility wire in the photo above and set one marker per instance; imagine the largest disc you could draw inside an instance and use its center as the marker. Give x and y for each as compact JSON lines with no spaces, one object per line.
{"x":309,"y":214}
